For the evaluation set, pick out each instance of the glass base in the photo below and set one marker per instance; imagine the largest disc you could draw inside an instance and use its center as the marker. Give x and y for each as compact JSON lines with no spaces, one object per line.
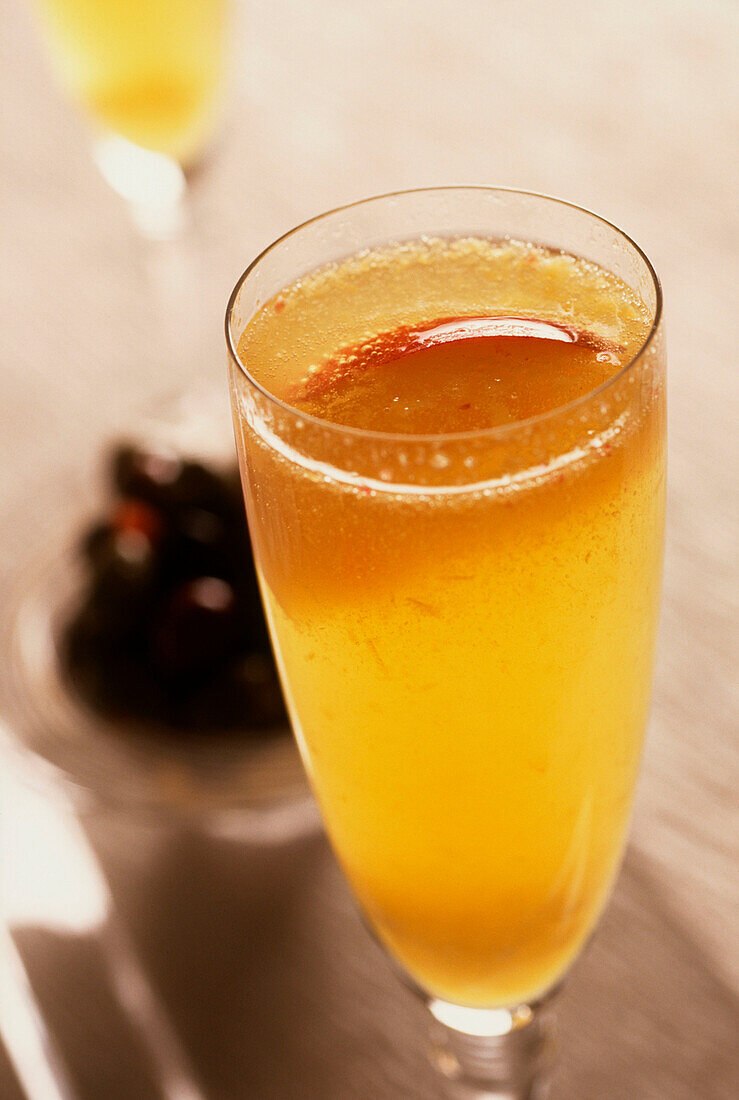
{"x":499,"y":1054}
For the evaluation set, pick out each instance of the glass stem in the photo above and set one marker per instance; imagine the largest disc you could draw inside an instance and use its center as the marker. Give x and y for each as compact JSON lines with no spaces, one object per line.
{"x":499,"y":1054}
{"x":153,"y":186}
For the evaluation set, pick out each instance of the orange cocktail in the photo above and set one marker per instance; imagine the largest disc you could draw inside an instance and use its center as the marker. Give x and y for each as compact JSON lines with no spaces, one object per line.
{"x":455,"y":492}
{"x":149,"y":70}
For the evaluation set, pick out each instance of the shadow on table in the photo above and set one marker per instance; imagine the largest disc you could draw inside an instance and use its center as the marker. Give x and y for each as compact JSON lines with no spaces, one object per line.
{"x":277,"y":991}
{"x":644,"y":1016}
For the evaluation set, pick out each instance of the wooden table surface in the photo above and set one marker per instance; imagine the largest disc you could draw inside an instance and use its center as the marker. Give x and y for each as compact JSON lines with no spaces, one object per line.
{"x":630,"y":107}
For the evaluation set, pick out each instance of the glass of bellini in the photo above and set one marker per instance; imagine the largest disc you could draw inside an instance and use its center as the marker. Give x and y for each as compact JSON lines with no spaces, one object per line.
{"x":450,"y":416}
{"x":149,"y":76}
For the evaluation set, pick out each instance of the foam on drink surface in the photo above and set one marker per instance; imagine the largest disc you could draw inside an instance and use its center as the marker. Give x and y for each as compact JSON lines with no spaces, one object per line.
{"x":444,"y":336}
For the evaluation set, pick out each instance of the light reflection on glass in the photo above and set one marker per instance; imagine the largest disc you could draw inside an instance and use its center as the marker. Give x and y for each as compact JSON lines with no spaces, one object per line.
{"x":153,"y":184}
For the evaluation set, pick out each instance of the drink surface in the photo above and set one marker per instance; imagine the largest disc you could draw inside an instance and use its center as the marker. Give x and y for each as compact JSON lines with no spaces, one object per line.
{"x":467,"y":656}
{"x":149,"y":71}
{"x":458,"y":374}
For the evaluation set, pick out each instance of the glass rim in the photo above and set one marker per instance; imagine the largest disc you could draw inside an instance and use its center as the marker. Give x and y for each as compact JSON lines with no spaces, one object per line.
{"x":497,"y":431}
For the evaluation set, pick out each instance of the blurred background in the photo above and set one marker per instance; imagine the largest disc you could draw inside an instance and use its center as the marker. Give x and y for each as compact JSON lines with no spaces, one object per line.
{"x":231,"y":962}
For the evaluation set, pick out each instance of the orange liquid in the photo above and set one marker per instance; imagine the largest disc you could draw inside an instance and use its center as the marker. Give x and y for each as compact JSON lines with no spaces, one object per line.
{"x":149,"y":70}
{"x":467,"y":669}
{"x":457,"y":374}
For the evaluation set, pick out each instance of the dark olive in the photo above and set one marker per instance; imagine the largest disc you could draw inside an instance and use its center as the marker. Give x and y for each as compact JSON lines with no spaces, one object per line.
{"x":146,"y":474}
{"x":171,"y":628}
{"x":196,"y":627}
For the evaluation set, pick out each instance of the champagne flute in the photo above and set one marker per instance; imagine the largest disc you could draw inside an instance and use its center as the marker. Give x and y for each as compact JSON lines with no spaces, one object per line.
{"x":149,"y":75}
{"x":452,"y":451}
